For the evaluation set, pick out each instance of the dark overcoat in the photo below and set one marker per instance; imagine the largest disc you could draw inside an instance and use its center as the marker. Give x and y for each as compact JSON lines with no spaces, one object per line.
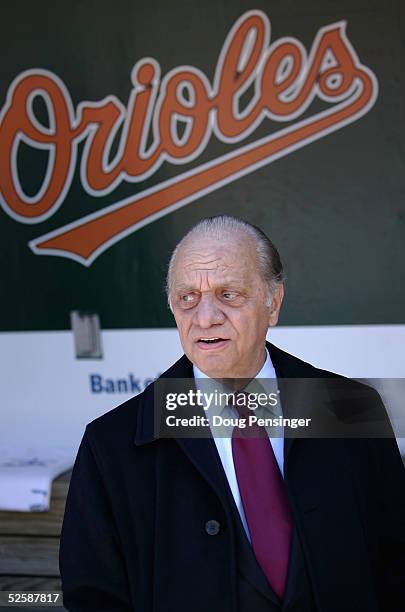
{"x":149,"y":524}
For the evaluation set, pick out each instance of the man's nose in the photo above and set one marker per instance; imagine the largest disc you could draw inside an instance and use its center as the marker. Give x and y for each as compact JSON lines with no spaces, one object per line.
{"x":208,"y":312}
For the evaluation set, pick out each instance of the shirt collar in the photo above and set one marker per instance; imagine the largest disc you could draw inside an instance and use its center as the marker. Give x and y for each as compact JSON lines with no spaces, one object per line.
{"x":268,"y":383}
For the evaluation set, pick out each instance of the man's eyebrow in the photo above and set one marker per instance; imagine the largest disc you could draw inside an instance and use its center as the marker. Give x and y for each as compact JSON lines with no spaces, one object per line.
{"x":228,"y":283}
{"x":183,"y":288}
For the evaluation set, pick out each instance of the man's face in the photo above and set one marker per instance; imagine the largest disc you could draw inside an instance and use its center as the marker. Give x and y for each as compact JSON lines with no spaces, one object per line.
{"x":219,"y":301}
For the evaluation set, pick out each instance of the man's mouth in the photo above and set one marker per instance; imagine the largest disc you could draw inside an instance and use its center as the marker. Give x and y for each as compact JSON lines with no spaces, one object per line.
{"x":214,"y":342}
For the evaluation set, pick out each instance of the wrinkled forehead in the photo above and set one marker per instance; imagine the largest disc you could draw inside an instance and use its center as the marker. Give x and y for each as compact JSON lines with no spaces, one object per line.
{"x":229,"y":258}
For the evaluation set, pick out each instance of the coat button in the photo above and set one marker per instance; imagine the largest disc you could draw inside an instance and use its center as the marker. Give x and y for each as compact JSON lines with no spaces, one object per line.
{"x":212,"y":527}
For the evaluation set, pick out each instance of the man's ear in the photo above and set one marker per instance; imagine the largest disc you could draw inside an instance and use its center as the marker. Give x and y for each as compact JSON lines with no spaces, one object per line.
{"x":276,"y":304}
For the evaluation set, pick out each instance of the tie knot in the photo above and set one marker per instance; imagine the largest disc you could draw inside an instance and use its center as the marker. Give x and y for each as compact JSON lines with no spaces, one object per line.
{"x":246,"y":429}
{"x":241,"y":404}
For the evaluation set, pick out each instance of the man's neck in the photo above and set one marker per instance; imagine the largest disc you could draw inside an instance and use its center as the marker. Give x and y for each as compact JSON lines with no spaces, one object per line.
{"x":241,"y":381}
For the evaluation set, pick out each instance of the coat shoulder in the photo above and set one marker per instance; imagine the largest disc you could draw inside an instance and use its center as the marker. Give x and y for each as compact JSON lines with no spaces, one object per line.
{"x":291,"y":366}
{"x":119,"y":423}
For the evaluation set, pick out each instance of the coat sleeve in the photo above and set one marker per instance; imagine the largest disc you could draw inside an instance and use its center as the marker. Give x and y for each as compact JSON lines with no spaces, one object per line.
{"x":91,"y":562}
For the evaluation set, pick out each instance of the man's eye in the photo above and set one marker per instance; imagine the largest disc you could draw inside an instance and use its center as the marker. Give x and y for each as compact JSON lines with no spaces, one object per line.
{"x":189,"y":298}
{"x":228,"y":295}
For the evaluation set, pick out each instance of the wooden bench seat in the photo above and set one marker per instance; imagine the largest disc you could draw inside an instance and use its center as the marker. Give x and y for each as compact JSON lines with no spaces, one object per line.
{"x":29,"y":546}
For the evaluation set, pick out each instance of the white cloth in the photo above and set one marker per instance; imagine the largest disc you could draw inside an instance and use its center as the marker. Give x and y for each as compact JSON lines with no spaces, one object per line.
{"x":224,"y":443}
{"x":26,"y":477}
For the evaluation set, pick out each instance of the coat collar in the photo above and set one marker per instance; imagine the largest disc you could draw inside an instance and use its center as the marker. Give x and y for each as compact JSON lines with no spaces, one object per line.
{"x":145,"y":429}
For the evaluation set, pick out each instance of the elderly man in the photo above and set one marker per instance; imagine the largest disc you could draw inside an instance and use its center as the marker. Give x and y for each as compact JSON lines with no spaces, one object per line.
{"x":234,"y":523}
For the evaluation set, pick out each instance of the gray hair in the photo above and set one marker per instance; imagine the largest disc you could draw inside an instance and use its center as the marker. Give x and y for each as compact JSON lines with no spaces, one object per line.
{"x":270,"y":266}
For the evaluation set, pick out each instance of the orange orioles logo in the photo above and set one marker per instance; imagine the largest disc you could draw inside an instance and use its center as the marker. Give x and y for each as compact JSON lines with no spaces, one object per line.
{"x":172,"y":119}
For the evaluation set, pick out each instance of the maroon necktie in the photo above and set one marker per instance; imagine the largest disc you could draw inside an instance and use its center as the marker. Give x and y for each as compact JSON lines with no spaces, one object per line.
{"x":264,"y":500}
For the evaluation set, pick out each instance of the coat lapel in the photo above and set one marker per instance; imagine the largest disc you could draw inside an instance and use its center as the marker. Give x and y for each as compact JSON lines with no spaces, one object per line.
{"x":286,"y":371}
{"x":300,"y":391}
{"x":201,"y":452}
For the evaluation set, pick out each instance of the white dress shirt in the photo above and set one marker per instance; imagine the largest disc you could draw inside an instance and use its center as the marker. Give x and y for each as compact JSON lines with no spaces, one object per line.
{"x":224,"y":443}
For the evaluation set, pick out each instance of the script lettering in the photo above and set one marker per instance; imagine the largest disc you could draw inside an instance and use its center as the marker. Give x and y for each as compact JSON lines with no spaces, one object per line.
{"x":172,"y":120}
